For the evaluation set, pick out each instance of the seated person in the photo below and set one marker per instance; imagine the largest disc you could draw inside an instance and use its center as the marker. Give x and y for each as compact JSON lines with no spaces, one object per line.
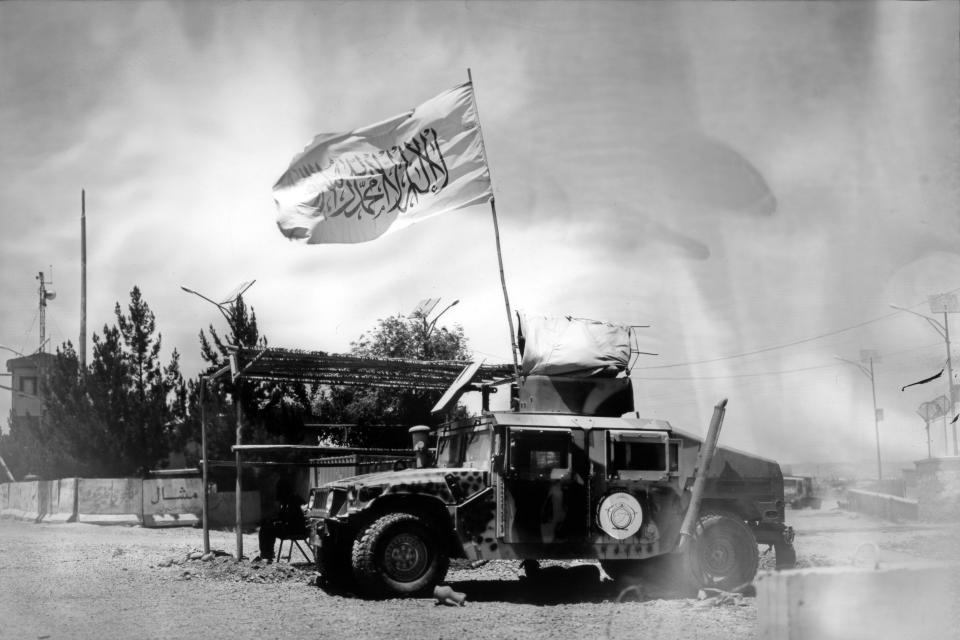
{"x":289,"y":521}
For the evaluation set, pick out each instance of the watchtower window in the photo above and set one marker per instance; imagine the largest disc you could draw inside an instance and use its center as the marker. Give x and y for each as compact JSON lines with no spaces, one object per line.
{"x":28,"y":385}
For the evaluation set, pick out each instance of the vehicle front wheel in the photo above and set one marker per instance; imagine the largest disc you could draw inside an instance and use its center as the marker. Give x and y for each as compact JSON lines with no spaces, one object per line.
{"x":725,"y":554}
{"x":398,"y":555}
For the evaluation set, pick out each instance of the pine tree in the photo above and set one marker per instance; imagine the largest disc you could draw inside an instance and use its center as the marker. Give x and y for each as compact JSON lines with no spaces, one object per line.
{"x":117,"y":418}
{"x":273,"y":412}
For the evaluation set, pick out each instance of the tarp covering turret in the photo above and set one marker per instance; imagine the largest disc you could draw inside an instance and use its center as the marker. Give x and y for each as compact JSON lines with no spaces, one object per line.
{"x":567,"y":346}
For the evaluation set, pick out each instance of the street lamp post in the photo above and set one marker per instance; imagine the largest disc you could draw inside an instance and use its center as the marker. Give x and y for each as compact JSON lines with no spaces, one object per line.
{"x":224,"y":307}
{"x":876,"y":412}
{"x":944,"y":303}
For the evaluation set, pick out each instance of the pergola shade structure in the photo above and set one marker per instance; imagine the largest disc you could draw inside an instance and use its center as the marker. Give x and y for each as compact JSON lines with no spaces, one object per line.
{"x":318,"y":367}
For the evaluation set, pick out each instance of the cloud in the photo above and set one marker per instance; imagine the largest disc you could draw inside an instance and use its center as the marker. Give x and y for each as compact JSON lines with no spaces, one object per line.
{"x":737,"y":175}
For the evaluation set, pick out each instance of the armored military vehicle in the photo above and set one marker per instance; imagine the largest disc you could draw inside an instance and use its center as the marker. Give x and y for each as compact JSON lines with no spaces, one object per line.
{"x":569,"y":471}
{"x":798,"y":492}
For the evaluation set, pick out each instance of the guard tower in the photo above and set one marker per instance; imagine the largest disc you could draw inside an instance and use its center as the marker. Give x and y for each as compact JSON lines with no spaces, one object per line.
{"x":26,"y":373}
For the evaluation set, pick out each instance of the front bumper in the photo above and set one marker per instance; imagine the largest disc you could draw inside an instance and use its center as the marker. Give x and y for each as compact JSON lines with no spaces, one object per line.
{"x":780,"y":537}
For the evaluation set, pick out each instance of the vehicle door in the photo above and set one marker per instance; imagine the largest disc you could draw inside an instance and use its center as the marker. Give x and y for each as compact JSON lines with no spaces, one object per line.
{"x":545,"y":485}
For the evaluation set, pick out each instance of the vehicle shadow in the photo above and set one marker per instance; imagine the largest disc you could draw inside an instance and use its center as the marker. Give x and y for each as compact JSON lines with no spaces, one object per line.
{"x":561,"y":585}
{"x":548,"y":586}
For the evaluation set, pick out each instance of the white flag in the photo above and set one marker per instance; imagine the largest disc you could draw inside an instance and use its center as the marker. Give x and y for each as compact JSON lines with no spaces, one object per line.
{"x":356,"y":186}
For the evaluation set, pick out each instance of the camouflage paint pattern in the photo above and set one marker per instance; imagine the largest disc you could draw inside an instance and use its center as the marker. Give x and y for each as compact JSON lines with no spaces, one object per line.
{"x":497,"y":512}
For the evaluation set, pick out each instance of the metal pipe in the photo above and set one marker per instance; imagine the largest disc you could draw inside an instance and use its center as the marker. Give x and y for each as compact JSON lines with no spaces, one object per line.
{"x":496,"y":235}
{"x":203,"y":454}
{"x":876,"y":421}
{"x":239,"y":497}
{"x":951,"y":389}
{"x":704,"y":458}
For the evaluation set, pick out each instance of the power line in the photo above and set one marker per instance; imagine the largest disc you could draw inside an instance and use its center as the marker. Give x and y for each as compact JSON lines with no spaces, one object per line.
{"x":776,"y":347}
{"x":782,"y":371}
{"x":766,"y":349}
{"x":742,"y":375}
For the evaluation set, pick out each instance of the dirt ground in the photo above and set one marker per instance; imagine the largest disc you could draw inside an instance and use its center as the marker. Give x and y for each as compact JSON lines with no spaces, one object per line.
{"x":87,"y":582}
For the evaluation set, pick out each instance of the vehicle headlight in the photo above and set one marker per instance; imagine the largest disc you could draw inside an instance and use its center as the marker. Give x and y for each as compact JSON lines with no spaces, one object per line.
{"x":328,"y":505}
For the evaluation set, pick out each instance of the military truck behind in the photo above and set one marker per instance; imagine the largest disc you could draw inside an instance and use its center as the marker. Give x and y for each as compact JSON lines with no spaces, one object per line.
{"x":571,"y":471}
{"x":799,"y":492}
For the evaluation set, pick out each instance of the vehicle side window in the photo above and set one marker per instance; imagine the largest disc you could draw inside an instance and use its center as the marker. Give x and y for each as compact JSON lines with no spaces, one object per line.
{"x":540,"y":454}
{"x":639,"y":456}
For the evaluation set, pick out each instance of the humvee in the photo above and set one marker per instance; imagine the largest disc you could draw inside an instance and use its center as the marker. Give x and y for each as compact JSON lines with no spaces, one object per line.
{"x":798,"y":492}
{"x":570,"y":471}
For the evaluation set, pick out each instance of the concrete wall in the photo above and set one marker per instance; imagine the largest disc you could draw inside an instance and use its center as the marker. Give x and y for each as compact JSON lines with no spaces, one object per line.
{"x":853,"y":603}
{"x":882,"y":505}
{"x":61,"y":503}
{"x":158,"y":502}
{"x":22,"y":502}
{"x":171,"y":502}
{"x":937,"y":488}
{"x":110,"y":500}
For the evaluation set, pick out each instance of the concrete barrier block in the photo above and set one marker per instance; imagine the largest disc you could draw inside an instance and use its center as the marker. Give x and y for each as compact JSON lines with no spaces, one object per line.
{"x":46,"y":497}
{"x":882,"y":505}
{"x":172,"y":502}
{"x":851,"y":603}
{"x":24,"y":503}
{"x":63,"y":502}
{"x":110,"y":500}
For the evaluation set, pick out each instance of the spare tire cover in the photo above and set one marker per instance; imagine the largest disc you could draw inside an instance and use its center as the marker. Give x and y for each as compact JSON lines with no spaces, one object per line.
{"x":619,"y":515}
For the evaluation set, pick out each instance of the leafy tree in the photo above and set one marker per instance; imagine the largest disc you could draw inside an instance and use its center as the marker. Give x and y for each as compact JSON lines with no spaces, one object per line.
{"x":372,"y":409}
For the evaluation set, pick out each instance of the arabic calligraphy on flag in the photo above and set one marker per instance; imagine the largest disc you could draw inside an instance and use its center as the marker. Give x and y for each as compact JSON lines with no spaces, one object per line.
{"x":356,"y":186}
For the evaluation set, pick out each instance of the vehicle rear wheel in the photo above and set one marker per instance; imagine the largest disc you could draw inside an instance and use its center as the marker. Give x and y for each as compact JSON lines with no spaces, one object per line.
{"x":398,"y":555}
{"x":724,"y":554}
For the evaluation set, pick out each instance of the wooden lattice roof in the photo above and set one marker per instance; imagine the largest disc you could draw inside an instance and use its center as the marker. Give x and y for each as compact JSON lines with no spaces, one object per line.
{"x":318,"y":367}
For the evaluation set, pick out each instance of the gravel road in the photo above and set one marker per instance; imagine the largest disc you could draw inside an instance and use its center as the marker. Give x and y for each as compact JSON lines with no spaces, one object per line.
{"x":89,"y":582}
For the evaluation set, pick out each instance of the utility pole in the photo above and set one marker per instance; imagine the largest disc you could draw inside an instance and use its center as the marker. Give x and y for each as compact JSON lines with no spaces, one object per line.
{"x":871,"y":356}
{"x":44,"y":296}
{"x":82,"y":347}
{"x":943,"y":303}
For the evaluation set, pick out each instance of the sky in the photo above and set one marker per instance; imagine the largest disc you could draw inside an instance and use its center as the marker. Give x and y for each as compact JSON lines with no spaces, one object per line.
{"x":757,"y":182}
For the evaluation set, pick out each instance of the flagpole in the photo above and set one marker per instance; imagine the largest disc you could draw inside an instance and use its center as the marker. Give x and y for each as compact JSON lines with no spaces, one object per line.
{"x":496,"y":235}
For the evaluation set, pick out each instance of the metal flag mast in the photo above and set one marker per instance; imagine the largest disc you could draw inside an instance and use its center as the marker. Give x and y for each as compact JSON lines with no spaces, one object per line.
{"x":496,"y":234}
